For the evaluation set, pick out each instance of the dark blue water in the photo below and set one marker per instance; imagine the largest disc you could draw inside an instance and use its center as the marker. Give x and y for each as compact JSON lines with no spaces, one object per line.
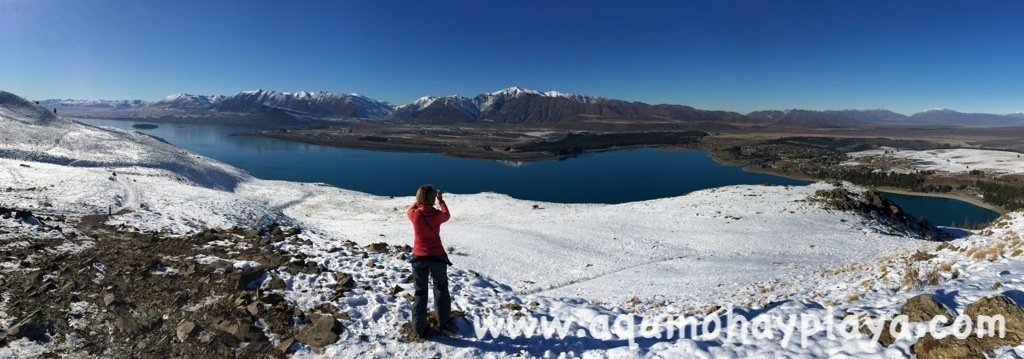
{"x":943,"y":211}
{"x":606,"y":177}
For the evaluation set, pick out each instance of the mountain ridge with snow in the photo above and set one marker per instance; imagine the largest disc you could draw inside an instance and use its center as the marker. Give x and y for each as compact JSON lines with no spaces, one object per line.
{"x":515,"y":105}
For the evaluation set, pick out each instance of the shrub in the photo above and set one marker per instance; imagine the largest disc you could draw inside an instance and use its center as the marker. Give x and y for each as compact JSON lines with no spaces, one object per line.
{"x":910,"y":281}
{"x":932,"y":277}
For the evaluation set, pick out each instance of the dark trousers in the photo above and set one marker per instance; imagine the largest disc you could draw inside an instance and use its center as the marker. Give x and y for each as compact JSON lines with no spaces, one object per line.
{"x":421,"y":271}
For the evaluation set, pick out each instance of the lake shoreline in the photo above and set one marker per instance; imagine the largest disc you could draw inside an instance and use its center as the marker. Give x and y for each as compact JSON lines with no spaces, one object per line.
{"x":619,"y":168}
{"x":476,"y":155}
{"x":972,"y":200}
{"x":745,"y":167}
{"x":486,"y":143}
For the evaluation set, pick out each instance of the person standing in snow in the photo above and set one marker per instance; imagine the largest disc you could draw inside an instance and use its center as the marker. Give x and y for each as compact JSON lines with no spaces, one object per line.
{"x":429,"y":260}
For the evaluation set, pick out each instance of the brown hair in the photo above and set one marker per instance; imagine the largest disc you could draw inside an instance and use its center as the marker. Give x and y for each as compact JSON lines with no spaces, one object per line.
{"x":426,"y":195}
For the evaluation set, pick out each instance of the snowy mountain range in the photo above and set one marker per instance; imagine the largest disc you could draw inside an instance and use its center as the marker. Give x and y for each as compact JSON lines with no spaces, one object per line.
{"x":523,"y":106}
{"x":513,"y":105}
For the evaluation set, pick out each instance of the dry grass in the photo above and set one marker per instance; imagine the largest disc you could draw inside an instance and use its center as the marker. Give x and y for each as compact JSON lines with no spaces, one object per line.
{"x":990,"y":253}
{"x":970,"y":253}
{"x":910,"y":281}
{"x":657,"y":302}
{"x":921,"y":256}
{"x":994,"y":253}
{"x":944,"y":267}
{"x":932,"y":277}
{"x":852,"y":297}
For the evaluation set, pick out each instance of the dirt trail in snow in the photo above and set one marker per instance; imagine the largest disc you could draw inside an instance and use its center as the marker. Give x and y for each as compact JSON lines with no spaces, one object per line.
{"x":15,"y":176}
{"x":132,"y":197}
{"x":575,"y":281}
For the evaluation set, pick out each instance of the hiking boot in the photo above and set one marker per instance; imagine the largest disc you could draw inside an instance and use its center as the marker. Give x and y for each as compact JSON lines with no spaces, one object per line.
{"x":449,"y":329}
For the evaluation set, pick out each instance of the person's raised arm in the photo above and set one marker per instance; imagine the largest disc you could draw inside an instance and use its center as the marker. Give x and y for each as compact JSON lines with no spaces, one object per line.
{"x":445,"y":215}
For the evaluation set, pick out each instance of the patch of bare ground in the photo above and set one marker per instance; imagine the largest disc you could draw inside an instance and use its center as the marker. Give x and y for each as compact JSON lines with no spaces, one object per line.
{"x":132,"y":294}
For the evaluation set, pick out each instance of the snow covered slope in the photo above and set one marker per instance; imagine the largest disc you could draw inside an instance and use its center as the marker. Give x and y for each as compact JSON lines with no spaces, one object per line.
{"x":669,"y":247}
{"x":30,"y":132}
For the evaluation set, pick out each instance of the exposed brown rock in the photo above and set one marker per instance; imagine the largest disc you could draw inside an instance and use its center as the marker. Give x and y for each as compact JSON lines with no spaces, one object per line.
{"x":110,"y":299}
{"x":322,"y":331}
{"x":379,"y":247}
{"x":185,"y":328}
{"x":974,"y":347}
{"x":136,"y":300}
{"x":285,"y":345}
{"x":922,"y":308}
{"x":1000,"y":305}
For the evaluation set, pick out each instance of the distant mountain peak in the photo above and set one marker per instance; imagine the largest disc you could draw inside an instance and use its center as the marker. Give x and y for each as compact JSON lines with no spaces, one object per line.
{"x":515,"y":91}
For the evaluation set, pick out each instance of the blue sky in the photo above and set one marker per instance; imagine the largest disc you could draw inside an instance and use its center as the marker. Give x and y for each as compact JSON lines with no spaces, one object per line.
{"x":741,"y":56}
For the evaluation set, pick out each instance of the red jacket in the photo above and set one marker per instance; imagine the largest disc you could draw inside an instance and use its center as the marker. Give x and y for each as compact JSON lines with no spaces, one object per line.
{"x":427,"y":243}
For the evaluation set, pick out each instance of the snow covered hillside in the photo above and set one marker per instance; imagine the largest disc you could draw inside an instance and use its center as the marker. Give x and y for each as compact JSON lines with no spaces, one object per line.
{"x":762,"y":250}
{"x":31,"y":133}
{"x":948,"y":160}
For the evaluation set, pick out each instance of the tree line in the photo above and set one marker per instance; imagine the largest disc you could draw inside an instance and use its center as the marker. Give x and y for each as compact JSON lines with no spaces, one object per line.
{"x":1009,"y":197}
